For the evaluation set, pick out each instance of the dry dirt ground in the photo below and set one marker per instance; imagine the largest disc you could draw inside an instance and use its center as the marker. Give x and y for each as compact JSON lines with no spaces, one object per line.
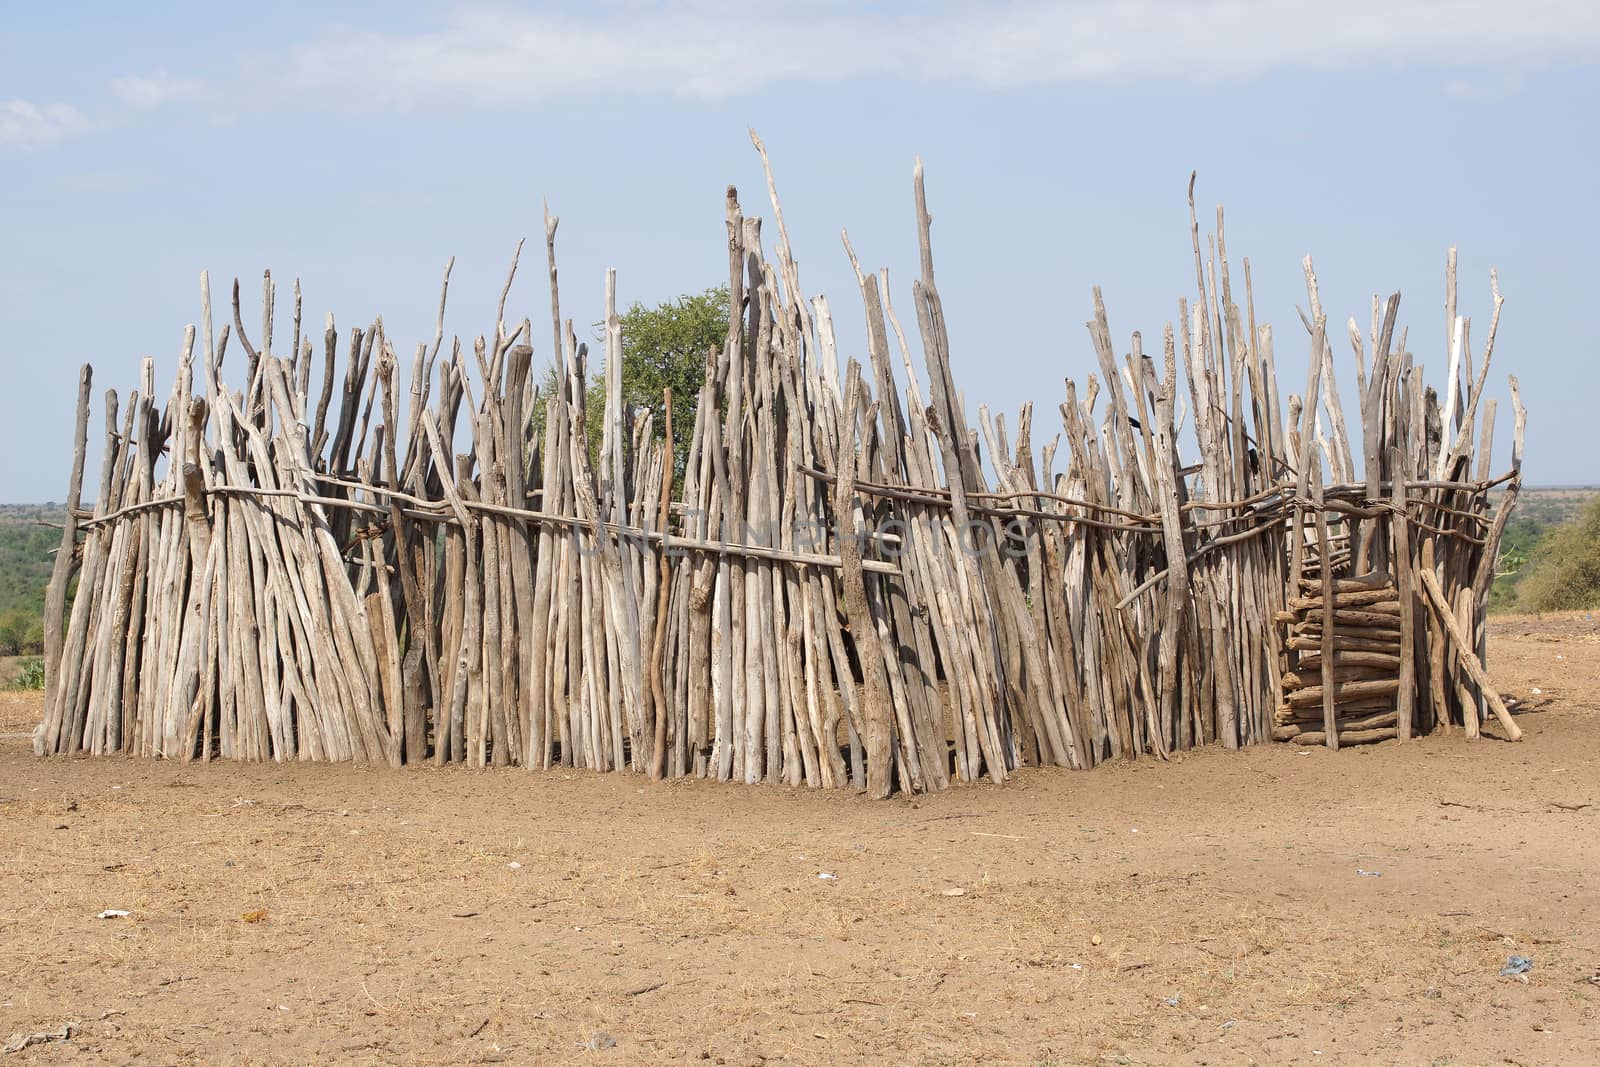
{"x":1209,"y":911}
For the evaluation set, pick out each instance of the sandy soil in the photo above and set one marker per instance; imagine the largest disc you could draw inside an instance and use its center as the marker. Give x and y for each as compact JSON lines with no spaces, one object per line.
{"x":1211,"y":911}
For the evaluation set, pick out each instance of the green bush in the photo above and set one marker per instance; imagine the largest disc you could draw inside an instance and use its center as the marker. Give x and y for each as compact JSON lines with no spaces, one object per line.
{"x":26,"y":557}
{"x":21,"y":634}
{"x":32,"y":676}
{"x":1518,"y":545}
{"x":1564,"y":569}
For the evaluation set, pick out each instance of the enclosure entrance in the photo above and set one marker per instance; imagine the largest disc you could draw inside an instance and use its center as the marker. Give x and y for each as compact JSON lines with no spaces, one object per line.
{"x":1353,"y":625}
{"x":1374,"y":654}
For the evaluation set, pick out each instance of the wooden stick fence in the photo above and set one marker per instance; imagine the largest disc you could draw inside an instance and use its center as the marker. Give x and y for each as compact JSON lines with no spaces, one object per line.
{"x":850,"y":585}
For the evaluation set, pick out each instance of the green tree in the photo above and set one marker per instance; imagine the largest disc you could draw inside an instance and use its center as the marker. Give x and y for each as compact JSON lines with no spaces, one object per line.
{"x":29,"y":537}
{"x":1564,"y":568}
{"x":663,"y":346}
{"x":1518,"y":545}
{"x":13,"y":635}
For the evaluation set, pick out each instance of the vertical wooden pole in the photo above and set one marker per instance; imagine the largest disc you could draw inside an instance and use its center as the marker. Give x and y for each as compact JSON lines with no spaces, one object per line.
{"x":1400,"y":528}
{"x":863,"y":631}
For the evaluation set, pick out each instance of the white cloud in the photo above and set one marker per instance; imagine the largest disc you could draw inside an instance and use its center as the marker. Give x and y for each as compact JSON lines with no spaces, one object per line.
{"x":25,"y":125}
{"x":483,"y":54}
{"x":146,"y":92}
{"x":479,"y":54}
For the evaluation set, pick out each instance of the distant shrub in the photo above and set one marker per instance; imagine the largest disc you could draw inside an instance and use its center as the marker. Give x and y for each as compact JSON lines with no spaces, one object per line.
{"x":1563,"y":573}
{"x":32,"y":676}
{"x":21,"y":634}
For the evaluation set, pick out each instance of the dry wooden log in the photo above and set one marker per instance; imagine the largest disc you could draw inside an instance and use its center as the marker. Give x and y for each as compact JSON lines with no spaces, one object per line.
{"x":1382,"y":641}
{"x":863,"y":632}
{"x":1352,"y":620}
{"x":1370,"y":600}
{"x":47,"y":736}
{"x":1346,"y":725}
{"x":658,"y":642}
{"x":1353,"y":737}
{"x":1365,"y":583}
{"x":1313,"y":695}
{"x":1401,"y":549}
{"x":1343,"y":706}
{"x":1312,"y":674}
{"x":1387,"y":660}
{"x":1466,"y":654}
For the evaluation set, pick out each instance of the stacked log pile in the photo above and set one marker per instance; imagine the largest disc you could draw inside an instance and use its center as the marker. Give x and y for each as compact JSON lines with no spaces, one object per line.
{"x":849,"y":584}
{"x":1363,"y":639}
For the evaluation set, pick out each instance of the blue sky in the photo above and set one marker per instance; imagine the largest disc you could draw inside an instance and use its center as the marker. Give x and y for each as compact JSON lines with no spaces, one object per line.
{"x":359,"y":146}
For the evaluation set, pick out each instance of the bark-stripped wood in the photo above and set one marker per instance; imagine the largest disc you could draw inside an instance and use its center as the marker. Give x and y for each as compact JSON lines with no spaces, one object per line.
{"x":848,"y":585}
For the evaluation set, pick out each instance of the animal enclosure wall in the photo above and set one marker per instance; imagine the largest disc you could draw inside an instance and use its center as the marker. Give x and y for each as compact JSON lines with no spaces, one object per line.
{"x":843,"y":581}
